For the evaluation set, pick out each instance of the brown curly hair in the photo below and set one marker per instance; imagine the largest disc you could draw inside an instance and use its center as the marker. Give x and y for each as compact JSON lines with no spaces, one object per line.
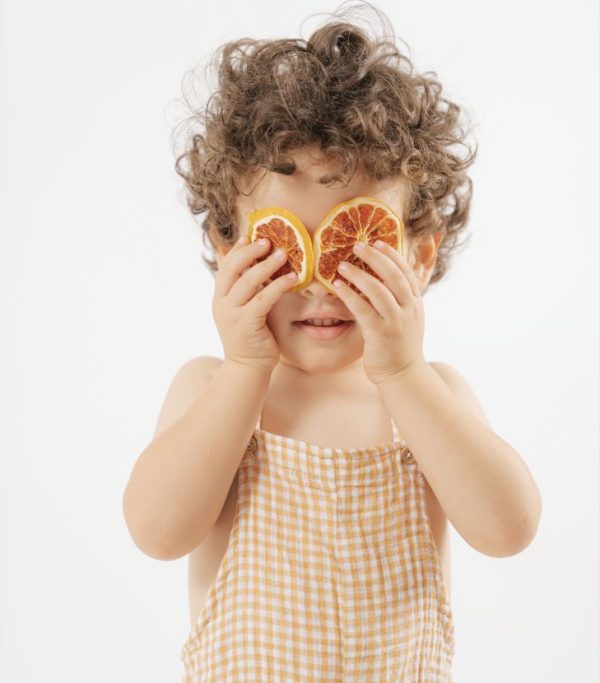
{"x":357,"y":98}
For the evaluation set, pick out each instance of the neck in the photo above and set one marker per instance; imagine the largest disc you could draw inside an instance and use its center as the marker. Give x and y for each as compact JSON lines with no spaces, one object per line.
{"x":350,"y":378}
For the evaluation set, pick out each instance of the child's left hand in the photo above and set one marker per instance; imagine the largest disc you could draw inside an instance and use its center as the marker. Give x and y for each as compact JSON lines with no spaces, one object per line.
{"x":392,"y":323}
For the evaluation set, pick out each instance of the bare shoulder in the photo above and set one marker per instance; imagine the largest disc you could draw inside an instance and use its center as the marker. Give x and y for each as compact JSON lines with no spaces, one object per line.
{"x":187,"y":384}
{"x":461,"y":388}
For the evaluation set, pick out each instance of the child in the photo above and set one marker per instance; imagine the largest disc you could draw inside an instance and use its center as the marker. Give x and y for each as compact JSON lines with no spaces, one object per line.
{"x":317,"y":534}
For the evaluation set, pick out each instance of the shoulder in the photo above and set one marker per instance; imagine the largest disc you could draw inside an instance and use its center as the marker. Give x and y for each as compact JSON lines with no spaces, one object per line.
{"x":204,"y":366}
{"x":461,"y":388}
{"x":194,"y":372}
{"x":186,"y":386}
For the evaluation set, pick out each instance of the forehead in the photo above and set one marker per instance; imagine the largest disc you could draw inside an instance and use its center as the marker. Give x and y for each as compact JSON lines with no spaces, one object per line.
{"x":306,"y":194}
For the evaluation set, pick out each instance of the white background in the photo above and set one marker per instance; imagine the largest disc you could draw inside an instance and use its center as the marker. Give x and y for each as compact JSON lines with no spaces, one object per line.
{"x":104,"y":296}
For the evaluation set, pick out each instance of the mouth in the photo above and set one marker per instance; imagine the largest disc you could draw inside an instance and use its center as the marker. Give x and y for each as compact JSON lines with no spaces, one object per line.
{"x":332,"y":329}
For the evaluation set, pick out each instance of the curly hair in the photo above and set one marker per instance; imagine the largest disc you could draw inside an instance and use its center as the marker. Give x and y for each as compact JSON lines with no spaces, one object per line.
{"x":358,"y":98}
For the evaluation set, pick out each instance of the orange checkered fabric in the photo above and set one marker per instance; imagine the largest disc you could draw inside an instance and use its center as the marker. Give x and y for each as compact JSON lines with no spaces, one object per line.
{"x":331,"y":572}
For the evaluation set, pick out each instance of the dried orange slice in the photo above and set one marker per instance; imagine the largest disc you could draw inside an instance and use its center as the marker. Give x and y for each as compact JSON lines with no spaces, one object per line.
{"x":361,"y":219}
{"x":286,"y":230}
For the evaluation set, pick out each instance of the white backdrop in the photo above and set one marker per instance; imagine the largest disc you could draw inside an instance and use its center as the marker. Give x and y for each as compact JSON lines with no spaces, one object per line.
{"x":104,"y":296}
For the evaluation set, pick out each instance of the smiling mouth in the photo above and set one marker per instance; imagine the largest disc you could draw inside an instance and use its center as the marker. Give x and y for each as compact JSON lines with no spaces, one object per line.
{"x":333,"y":324}
{"x":324,"y":332}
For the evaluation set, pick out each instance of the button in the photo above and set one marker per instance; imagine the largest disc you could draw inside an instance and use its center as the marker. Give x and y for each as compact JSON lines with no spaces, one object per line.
{"x":252,"y":444}
{"x":407,"y":457}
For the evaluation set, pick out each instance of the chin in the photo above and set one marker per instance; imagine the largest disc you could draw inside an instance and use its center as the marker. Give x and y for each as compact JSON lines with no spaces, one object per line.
{"x":321,"y":361}
{"x":316,"y":367}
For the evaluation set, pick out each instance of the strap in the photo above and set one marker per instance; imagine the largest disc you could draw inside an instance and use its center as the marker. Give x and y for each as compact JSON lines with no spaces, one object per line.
{"x":396,"y":433}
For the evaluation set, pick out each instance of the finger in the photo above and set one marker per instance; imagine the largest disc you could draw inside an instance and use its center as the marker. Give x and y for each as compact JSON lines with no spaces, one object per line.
{"x":360,"y":308}
{"x":263,"y":301}
{"x":382,"y":262}
{"x":246,"y":286}
{"x":402,"y":263}
{"x":383,"y":302}
{"x":238,"y":258}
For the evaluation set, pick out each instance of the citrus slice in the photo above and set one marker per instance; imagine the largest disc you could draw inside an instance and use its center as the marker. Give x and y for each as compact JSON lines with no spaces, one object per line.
{"x":361,"y":219}
{"x":285,"y":230}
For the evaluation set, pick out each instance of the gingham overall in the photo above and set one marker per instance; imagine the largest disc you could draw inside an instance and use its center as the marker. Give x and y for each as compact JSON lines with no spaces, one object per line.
{"x":330,"y":574}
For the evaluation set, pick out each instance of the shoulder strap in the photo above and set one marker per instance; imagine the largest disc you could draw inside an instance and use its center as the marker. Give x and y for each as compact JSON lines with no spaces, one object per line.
{"x":396,"y":433}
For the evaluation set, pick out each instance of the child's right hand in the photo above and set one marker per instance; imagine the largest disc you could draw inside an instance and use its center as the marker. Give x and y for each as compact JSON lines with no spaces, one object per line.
{"x":240,"y":305}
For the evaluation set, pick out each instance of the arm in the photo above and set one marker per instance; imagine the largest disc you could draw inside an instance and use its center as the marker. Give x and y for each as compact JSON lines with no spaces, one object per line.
{"x":180,"y":481}
{"x":481,"y":482}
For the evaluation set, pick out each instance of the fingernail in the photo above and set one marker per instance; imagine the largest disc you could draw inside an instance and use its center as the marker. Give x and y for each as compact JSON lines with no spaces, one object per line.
{"x":278,"y":252}
{"x":379,"y":244}
{"x":263,"y":241}
{"x":359,"y":246}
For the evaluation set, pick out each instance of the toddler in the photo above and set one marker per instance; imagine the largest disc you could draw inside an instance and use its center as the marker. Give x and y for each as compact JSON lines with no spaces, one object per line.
{"x":310,"y":474}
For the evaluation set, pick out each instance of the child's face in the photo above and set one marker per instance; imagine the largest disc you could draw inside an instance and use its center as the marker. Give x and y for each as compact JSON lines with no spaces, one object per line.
{"x":301,"y":194}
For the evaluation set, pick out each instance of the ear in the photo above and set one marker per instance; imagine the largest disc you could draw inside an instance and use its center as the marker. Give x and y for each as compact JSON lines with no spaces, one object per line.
{"x":423,"y":256}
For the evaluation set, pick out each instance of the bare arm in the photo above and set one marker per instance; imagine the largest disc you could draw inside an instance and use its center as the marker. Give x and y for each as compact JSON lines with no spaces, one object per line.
{"x":482,"y":483}
{"x":180,"y":481}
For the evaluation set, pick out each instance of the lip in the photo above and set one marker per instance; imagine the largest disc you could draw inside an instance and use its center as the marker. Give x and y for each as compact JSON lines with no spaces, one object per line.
{"x":323,"y":314}
{"x":324,"y":333}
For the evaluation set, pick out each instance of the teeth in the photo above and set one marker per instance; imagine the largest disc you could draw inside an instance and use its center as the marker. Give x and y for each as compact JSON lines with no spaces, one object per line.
{"x":322,"y":322}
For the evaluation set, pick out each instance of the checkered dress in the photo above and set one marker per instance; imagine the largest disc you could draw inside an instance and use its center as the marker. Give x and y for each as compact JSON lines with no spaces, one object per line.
{"x":331,"y":572}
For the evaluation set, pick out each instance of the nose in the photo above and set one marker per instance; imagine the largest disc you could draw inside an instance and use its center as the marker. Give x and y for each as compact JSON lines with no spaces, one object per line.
{"x":315,"y":289}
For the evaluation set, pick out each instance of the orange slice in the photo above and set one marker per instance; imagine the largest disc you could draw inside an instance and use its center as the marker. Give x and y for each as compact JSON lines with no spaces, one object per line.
{"x":286,"y":230}
{"x":362,"y":218}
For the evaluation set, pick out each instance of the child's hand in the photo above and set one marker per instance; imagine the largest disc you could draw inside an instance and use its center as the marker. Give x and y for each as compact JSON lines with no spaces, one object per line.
{"x":392,"y":324}
{"x":240,"y":305}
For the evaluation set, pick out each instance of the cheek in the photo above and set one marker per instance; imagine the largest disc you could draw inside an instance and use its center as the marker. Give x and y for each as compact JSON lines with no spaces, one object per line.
{"x":280,"y":313}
